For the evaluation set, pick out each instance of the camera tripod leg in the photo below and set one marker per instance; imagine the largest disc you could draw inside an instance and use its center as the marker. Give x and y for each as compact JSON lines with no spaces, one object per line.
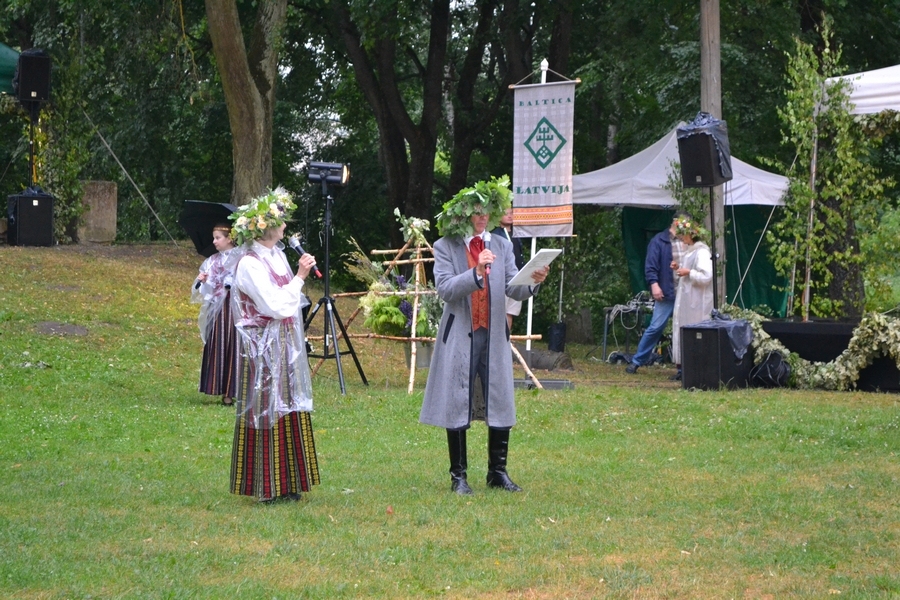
{"x":350,"y":350}
{"x":330,"y":328}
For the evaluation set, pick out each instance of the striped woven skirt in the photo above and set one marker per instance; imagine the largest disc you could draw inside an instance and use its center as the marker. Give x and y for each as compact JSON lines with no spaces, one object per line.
{"x":219,"y":369}
{"x":272,"y":461}
{"x":268,"y":463}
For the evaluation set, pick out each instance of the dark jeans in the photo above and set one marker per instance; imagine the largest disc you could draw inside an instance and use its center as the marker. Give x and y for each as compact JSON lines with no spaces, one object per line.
{"x":662,"y":312}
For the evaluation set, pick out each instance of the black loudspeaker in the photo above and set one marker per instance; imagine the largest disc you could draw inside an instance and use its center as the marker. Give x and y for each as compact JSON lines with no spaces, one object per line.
{"x":30,"y":219}
{"x":700,"y":161}
{"x":32,"y":78}
{"x":708,"y":361}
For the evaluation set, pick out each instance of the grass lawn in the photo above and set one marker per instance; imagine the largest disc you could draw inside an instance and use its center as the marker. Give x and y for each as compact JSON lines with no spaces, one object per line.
{"x":114,"y":470}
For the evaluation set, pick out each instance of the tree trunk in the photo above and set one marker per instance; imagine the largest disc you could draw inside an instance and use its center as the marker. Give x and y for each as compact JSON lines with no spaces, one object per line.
{"x":847,"y":286}
{"x":248,"y":80}
{"x":561,"y":40}
{"x":469,"y":118}
{"x":513,"y":62}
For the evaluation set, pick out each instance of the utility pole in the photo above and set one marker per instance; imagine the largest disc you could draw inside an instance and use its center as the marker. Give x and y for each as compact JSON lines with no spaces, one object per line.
{"x":711,"y":102}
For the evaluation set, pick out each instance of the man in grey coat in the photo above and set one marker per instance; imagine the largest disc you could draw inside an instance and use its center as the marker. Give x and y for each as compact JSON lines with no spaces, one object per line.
{"x":471,"y":275}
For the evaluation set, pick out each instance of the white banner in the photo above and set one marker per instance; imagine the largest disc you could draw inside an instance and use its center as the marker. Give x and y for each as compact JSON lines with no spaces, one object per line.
{"x":542,"y":159}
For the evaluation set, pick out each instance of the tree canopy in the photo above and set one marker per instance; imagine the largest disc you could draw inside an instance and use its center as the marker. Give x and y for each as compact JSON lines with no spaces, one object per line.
{"x":413,"y":94}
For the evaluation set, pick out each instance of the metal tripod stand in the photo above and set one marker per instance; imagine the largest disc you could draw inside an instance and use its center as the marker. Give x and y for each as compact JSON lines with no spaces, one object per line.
{"x":331,"y":316}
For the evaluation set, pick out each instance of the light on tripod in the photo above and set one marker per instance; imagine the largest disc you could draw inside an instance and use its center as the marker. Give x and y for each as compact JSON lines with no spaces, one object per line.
{"x":329,"y":173}
{"x":335,"y":175}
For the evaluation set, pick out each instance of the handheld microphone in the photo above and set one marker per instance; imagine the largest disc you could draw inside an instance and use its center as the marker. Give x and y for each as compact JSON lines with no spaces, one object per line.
{"x":487,"y":246}
{"x":294,"y":242}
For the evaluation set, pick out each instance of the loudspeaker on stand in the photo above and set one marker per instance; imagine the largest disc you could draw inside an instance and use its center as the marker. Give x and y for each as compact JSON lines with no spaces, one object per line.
{"x":32,"y":78}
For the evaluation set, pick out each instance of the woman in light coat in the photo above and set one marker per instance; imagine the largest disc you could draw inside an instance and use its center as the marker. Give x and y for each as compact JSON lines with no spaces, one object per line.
{"x":694,"y":295}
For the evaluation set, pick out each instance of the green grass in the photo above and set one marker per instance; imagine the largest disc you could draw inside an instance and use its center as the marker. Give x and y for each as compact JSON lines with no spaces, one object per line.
{"x":114,"y":471}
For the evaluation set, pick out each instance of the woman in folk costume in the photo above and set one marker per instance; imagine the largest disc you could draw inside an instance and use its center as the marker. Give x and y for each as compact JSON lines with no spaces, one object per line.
{"x":212,"y":290}
{"x":472,"y":270}
{"x":693,"y":293}
{"x":274,"y":454}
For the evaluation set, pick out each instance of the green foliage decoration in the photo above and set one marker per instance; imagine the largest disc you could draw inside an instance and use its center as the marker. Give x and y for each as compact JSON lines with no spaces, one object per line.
{"x":387,"y":306}
{"x":388,"y":310}
{"x":693,"y":201}
{"x":413,"y":229}
{"x":491,"y":197}
{"x":876,"y":335}
{"x":383,"y":314}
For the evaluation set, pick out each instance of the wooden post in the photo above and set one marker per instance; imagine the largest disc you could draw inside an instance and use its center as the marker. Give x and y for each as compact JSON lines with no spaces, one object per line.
{"x":415,"y":318}
{"x":711,"y":102}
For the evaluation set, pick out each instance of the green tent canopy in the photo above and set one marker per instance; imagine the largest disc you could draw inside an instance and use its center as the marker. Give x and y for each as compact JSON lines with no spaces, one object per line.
{"x":9,"y":60}
{"x":746,"y":224}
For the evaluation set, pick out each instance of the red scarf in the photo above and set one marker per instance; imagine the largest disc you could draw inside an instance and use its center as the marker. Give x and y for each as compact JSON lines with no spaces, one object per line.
{"x":479,"y":297}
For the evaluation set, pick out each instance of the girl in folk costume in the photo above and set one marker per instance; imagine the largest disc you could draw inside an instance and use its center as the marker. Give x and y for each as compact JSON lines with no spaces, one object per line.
{"x":472,"y":270}
{"x":211,"y":289}
{"x":274,"y":454}
{"x":693,"y":295}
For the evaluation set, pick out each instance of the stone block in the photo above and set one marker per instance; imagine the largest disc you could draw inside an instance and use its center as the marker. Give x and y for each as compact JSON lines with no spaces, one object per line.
{"x":99,"y":219}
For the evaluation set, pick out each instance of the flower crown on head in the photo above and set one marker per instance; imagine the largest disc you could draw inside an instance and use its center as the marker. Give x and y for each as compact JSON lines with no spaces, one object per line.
{"x":688,"y":227}
{"x":265,"y":212}
{"x":490,"y":198}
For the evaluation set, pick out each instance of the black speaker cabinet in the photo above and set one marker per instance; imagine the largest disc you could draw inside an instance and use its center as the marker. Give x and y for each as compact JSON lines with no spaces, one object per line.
{"x":708,"y":361}
{"x":824,"y":341}
{"x":818,"y":341}
{"x":30,"y":220}
{"x":700,"y":161}
{"x":33,"y":77}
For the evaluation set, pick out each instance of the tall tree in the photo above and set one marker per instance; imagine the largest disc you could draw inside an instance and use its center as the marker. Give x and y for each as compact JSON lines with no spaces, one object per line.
{"x":834,"y":189}
{"x":249,"y":76}
{"x":407,"y":142}
{"x":498,"y":51}
{"x":435,"y":76}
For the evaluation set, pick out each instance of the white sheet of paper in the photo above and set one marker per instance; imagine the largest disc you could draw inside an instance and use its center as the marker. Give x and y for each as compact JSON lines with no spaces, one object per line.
{"x":541,"y":259}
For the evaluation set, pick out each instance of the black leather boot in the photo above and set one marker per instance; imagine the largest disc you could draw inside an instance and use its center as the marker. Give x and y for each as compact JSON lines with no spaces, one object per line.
{"x":456,"y":442}
{"x":498,"y":445}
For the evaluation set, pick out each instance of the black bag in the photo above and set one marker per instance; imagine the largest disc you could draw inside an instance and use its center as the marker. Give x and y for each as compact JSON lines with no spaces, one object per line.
{"x":772,"y":372}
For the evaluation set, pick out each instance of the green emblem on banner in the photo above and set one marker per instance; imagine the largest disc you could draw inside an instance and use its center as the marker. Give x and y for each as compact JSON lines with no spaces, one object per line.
{"x":545,"y":142}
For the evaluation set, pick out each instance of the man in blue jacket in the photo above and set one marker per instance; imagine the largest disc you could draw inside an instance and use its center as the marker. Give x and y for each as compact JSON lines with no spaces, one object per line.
{"x":662,"y":250}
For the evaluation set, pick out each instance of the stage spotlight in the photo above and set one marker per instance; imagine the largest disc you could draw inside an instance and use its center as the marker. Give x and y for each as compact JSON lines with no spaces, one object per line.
{"x":329,"y":173}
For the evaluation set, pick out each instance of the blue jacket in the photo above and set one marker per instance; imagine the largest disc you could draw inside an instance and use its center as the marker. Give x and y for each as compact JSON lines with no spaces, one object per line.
{"x":658,"y":265}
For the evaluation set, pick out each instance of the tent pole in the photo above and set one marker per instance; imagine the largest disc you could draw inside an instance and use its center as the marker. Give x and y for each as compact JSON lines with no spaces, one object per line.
{"x":714,"y":252}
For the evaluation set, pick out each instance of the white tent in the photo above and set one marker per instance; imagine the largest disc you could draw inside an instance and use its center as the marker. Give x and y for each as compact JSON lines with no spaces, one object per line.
{"x":874,"y":91}
{"x":638,"y":181}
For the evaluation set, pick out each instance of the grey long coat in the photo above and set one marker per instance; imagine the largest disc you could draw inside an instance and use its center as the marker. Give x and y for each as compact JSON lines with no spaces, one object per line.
{"x":447,"y":402}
